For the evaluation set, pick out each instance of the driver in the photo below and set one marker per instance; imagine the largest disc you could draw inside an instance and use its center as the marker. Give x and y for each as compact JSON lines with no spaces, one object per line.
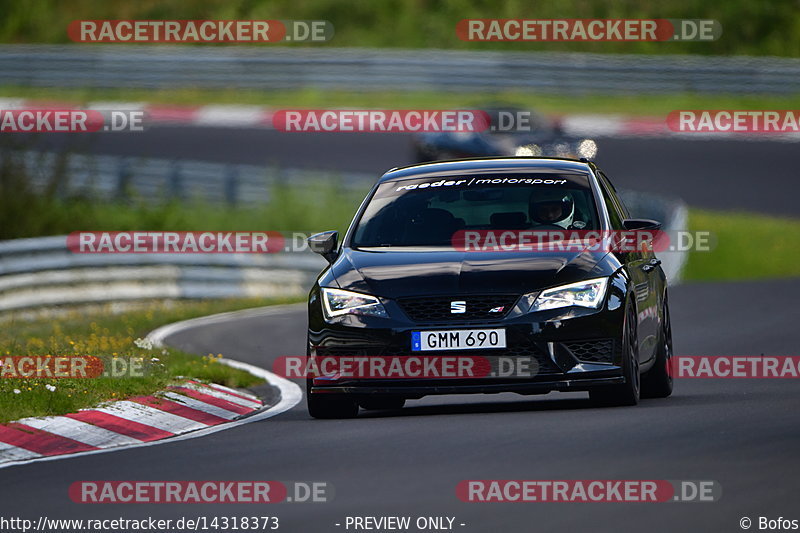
{"x":551,"y":207}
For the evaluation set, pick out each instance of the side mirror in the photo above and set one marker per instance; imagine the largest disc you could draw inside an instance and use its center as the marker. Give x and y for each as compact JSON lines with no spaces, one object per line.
{"x":641,"y":223}
{"x":325,"y":244}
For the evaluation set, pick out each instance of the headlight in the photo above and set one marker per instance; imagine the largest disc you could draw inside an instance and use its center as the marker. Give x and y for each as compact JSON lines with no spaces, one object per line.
{"x":336,"y":302}
{"x":587,"y":293}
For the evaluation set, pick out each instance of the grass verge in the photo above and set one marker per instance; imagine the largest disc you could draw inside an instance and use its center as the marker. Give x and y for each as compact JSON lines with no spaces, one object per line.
{"x":640,"y":104}
{"x":310,"y":207}
{"x":746,"y":246}
{"x":107,"y":336}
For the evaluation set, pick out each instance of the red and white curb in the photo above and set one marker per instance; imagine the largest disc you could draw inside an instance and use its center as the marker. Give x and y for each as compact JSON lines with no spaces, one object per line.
{"x":243,"y":116}
{"x":179,"y":409}
{"x":188,"y":410}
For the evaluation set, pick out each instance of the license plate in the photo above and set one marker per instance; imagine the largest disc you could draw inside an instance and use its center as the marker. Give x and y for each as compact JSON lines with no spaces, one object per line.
{"x":458,"y":339}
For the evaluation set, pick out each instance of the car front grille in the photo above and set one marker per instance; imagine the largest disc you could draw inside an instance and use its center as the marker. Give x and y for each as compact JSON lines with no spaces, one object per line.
{"x":439,"y":308}
{"x":593,"y":351}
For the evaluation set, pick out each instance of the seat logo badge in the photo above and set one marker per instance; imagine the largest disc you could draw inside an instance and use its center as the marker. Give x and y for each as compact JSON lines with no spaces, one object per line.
{"x":458,"y":306}
{"x":497,"y":309}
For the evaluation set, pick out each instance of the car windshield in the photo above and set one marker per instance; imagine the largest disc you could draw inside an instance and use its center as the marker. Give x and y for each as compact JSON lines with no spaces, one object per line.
{"x":429,"y":211}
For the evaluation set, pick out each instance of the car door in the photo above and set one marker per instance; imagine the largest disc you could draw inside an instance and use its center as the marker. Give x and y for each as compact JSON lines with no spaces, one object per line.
{"x":643,"y":274}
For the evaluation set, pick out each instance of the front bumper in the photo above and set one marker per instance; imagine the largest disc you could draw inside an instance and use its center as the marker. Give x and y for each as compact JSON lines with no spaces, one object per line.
{"x":575,"y":349}
{"x":418,"y":390}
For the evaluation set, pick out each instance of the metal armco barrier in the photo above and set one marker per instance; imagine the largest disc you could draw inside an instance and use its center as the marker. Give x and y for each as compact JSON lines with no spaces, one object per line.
{"x":42,"y":272}
{"x":153,"y":179}
{"x":266,"y":67}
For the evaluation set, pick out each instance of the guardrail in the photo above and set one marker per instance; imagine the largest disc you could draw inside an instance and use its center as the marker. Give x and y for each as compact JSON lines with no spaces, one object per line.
{"x":142,"y":66}
{"x":42,"y":272}
{"x":113,"y":177}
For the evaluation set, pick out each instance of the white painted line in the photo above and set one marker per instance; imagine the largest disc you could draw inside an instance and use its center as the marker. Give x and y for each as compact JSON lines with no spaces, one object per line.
{"x":150,"y":416}
{"x":10,"y":452}
{"x":194,"y":403}
{"x":79,"y":431}
{"x":250,"y":404}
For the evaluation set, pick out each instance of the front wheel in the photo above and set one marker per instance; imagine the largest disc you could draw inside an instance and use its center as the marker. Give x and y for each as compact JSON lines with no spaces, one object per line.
{"x":657,"y":382}
{"x":625,"y":393}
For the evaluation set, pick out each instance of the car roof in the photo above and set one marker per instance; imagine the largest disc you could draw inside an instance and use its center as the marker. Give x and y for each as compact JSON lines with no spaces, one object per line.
{"x":487,"y":165}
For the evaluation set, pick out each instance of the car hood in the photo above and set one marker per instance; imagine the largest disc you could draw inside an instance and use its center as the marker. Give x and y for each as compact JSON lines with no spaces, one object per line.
{"x":395,"y":274}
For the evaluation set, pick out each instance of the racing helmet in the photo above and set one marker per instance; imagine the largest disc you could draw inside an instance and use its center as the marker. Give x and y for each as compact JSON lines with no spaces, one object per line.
{"x":551,"y":206}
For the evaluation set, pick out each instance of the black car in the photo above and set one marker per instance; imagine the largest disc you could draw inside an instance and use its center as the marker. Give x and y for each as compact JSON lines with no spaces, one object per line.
{"x":512,"y":131}
{"x":398,"y":285}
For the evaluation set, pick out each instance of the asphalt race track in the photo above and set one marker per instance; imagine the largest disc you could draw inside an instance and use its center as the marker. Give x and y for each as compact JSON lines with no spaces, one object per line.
{"x":750,"y":175}
{"x":741,"y":433}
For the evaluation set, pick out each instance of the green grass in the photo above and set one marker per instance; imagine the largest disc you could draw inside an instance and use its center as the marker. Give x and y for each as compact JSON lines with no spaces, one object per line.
{"x":746,"y":246}
{"x":641,"y":104}
{"x":59,"y":217}
{"x":108,"y":335}
{"x":28,"y":213}
{"x":750,"y":28}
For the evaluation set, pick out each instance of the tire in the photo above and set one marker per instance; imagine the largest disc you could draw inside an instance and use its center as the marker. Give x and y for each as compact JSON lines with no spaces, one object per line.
{"x":330,"y":405}
{"x":624,"y":393}
{"x":376,"y":403}
{"x":657,"y":382}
